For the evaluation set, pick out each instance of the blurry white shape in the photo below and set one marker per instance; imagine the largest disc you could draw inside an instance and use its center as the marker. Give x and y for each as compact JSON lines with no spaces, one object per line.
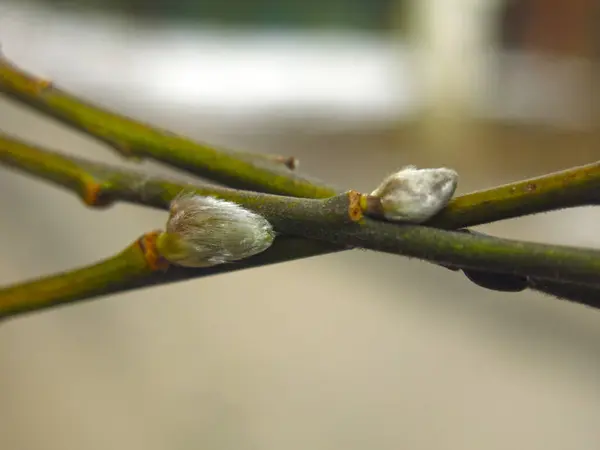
{"x":245,"y":77}
{"x":454,"y":39}
{"x":464,"y":72}
{"x":254,"y":79}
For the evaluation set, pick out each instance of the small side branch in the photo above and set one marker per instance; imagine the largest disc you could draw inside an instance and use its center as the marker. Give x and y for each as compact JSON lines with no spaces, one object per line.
{"x":133,"y":139}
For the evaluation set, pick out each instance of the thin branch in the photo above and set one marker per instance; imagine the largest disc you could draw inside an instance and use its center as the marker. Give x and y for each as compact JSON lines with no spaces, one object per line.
{"x":138,"y":266}
{"x":133,"y":268}
{"x":266,"y":173}
{"x":574,"y":187}
{"x":578,"y":186}
{"x":586,"y":295}
{"x":100,"y":184}
{"x":137,"y":140}
{"x":338,"y":220}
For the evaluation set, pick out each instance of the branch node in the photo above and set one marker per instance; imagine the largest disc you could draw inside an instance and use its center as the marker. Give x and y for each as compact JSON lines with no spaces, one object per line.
{"x":148,"y":245}
{"x":41,"y":85}
{"x":95,"y":195}
{"x":355,"y":211}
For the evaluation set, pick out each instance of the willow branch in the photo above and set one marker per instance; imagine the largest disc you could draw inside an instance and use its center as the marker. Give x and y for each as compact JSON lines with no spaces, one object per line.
{"x":583,"y":294}
{"x":337,"y":220}
{"x":133,"y":268}
{"x":574,"y":187}
{"x":99,"y":184}
{"x":578,"y":186}
{"x":137,"y":140}
{"x":137,"y":267}
{"x":266,"y":173}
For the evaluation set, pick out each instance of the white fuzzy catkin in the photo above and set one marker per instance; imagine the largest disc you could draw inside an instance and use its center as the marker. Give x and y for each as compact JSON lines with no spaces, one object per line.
{"x":205,"y":231}
{"x":415,"y":195}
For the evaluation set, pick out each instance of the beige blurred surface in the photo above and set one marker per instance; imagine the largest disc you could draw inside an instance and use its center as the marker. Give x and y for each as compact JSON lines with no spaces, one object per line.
{"x":351,"y":351}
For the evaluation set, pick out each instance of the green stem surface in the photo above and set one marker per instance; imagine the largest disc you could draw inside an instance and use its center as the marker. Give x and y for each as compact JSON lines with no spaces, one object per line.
{"x":137,"y":140}
{"x":99,"y":185}
{"x":573,"y":187}
{"x":335,"y":220}
{"x":127,"y":270}
{"x":107,"y":276}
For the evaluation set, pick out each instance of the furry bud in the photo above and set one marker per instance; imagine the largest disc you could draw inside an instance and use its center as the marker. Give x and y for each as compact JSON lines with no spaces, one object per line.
{"x":205,"y":231}
{"x":415,"y":195}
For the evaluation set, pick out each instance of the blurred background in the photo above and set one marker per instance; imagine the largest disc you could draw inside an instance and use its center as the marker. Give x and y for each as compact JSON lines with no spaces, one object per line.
{"x":294,"y":356}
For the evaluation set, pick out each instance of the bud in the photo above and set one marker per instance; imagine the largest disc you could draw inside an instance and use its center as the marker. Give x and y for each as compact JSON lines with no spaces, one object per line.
{"x":205,"y":231}
{"x":415,"y":195}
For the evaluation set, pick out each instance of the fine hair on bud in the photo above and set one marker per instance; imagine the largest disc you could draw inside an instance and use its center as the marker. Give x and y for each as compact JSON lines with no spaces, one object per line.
{"x":206,"y":231}
{"x":415,"y":195}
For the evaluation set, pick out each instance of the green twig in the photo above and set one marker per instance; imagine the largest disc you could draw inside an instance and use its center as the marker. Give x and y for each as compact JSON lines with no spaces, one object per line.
{"x":569,"y":188}
{"x":99,"y":184}
{"x":264,"y":173}
{"x":573,"y":187}
{"x":337,"y":220}
{"x":133,"y":268}
{"x":134,"y":139}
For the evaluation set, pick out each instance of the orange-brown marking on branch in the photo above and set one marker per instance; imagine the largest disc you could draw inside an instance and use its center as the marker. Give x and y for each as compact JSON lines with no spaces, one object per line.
{"x":43,"y":84}
{"x":93,"y":195}
{"x":355,"y":211}
{"x":148,"y":245}
{"x":37,"y":86}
